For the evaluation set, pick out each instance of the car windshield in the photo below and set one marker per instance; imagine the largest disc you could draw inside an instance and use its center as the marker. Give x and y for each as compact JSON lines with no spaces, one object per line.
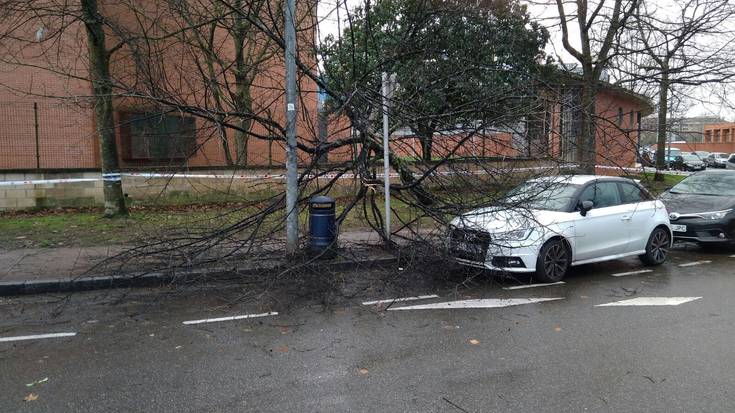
{"x":723,"y":155}
{"x":707,"y":184}
{"x":690,"y":157}
{"x":542,"y":195}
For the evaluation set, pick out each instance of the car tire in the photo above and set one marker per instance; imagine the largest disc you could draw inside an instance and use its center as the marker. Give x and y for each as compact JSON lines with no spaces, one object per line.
{"x":657,"y":248}
{"x":553,"y":261}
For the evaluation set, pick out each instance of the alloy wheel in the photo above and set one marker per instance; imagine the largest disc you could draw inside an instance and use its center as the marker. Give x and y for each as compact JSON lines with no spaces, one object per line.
{"x":659,"y":246}
{"x":555,"y":261}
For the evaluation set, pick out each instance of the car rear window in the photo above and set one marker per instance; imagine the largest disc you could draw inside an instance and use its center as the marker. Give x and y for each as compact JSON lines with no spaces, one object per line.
{"x":707,"y":184}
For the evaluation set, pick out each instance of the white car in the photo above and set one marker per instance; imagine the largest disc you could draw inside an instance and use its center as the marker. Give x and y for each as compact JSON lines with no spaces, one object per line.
{"x":548,"y":224}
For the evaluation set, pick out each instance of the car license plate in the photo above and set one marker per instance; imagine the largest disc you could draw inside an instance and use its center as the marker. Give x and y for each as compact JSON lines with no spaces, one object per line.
{"x":679,"y":228}
{"x":463,"y":246}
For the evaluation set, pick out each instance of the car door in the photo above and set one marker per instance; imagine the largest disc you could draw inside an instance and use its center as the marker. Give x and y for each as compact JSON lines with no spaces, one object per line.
{"x":641,"y":209}
{"x":604,"y":230}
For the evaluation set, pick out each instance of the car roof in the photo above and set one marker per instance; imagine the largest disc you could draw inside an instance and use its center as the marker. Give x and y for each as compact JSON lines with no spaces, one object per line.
{"x":579,"y":179}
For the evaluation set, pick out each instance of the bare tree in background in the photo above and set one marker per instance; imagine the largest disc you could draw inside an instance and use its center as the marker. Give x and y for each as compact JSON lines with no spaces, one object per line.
{"x":591,"y":41}
{"x":99,"y":73}
{"x":225,"y":42}
{"x":683,"y":44}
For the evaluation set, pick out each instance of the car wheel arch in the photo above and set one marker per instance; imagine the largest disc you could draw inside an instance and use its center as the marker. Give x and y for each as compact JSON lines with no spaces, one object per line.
{"x":668,"y":230}
{"x":565,"y":241}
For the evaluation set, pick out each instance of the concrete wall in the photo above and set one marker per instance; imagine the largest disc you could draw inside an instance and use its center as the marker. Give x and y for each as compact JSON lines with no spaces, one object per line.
{"x":23,"y":196}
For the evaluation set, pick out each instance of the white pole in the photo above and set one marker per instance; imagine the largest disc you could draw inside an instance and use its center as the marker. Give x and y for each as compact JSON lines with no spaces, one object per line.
{"x":386,"y":154}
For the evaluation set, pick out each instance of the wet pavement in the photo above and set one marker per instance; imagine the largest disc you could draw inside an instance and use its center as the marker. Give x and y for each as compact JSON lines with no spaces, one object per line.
{"x":669,"y":350}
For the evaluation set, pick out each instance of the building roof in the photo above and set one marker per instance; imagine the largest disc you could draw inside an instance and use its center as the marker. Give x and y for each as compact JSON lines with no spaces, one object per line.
{"x":645,"y":104}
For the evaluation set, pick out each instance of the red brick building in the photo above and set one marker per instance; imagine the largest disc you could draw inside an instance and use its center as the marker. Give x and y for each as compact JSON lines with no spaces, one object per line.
{"x":719,"y":133}
{"x":717,"y":137}
{"x":46,"y":117}
{"x":46,"y":113}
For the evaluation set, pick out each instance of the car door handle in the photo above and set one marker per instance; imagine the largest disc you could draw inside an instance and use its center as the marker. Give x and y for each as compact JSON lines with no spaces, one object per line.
{"x":626,"y":217}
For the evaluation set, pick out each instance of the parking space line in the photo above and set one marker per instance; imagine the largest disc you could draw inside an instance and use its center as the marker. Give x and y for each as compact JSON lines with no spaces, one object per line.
{"x":398,"y":300}
{"x":732,"y":256}
{"x":650,"y":301}
{"x":691,"y":264}
{"x":621,"y":274}
{"x":232,"y":318}
{"x":518,"y":287}
{"x":36,"y":337}
{"x":476,"y":303}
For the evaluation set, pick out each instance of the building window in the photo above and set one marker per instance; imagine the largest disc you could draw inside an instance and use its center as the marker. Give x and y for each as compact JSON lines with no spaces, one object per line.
{"x":150,"y":136}
{"x":632,"y":119}
{"x":620,"y":116}
{"x":708,"y":136}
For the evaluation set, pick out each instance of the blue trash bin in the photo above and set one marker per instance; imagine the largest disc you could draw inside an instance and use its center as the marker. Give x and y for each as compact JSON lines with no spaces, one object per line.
{"x":322,"y":227}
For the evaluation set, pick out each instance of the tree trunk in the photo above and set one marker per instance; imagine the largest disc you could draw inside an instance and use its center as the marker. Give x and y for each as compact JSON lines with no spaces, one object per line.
{"x":426,"y":144}
{"x":241,"y":143}
{"x":586,"y":142}
{"x":425,"y":133}
{"x":663,"y":109}
{"x":99,"y":70}
{"x":243,"y":80}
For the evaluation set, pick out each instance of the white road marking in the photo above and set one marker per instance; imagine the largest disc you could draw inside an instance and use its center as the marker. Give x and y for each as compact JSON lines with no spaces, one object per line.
{"x":518,"y":287}
{"x":398,"y":300}
{"x":732,"y":256}
{"x":646,"y":301}
{"x":36,"y":337}
{"x":236,"y":317}
{"x":621,"y":274}
{"x":691,"y":264}
{"x":476,"y":303}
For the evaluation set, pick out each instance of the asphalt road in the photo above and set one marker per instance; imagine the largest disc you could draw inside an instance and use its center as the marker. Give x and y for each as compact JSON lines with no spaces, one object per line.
{"x":132,"y":351}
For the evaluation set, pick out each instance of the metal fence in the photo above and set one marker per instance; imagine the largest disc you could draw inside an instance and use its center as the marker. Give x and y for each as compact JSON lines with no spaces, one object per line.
{"x":41,"y":135}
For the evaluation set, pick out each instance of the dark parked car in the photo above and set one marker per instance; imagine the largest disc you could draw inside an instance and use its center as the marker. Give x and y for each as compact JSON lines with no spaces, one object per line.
{"x":730,"y":164}
{"x":687,"y":162}
{"x":670,"y":155}
{"x":701,"y":207}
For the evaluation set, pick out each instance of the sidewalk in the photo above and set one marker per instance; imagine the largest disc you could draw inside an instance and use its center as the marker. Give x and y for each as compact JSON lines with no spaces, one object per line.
{"x":36,"y":270}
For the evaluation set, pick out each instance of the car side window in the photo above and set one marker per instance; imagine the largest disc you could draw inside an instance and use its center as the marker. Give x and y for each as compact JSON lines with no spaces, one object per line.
{"x":632,"y":194}
{"x":602,"y":194}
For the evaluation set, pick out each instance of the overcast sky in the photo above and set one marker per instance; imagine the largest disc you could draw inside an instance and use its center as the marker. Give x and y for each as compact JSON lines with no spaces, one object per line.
{"x":705,"y":104}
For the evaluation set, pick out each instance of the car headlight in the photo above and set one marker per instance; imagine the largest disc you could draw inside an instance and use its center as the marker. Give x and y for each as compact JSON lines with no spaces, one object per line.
{"x":515,"y":235}
{"x":714,"y":214}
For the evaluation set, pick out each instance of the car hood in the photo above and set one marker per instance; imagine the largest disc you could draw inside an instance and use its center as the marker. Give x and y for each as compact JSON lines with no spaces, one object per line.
{"x":691,"y":203}
{"x":499,"y":219}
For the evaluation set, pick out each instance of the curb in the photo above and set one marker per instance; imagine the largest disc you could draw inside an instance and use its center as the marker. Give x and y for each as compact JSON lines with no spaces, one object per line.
{"x":158,"y":279}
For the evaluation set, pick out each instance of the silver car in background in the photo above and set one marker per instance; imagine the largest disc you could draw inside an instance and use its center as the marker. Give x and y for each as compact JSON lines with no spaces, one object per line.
{"x":717,"y":160}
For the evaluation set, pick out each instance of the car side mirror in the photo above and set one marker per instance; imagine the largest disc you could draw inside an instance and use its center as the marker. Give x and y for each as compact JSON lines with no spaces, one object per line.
{"x":584,"y":207}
